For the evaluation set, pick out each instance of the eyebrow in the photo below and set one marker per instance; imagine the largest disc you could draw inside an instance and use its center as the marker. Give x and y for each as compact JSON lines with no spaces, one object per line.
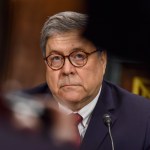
{"x":78,"y":49}
{"x":58,"y":52}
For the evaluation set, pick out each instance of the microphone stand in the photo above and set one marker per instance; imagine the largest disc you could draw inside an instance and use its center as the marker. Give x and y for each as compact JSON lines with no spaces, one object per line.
{"x":107,"y":122}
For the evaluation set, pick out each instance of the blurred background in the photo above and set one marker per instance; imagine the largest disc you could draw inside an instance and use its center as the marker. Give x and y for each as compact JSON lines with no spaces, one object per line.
{"x":21,"y":63}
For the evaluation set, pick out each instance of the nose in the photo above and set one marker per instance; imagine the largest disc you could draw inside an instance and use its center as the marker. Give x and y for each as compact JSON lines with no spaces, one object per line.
{"x":68,"y":68}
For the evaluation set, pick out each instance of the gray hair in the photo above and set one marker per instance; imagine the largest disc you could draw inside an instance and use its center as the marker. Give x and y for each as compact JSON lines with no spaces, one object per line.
{"x":59,"y":23}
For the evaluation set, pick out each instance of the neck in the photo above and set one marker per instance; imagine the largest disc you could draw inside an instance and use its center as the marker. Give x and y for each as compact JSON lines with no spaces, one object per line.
{"x":74,"y":106}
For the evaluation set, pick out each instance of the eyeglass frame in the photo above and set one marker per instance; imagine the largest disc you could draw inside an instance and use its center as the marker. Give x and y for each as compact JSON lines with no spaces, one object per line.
{"x":68,"y":56}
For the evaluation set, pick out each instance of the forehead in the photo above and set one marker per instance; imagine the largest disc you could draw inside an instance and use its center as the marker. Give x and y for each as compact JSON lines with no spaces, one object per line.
{"x":67,"y":42}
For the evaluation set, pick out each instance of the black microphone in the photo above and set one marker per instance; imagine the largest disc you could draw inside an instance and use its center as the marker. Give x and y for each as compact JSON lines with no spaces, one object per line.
{"x":107,"y":122}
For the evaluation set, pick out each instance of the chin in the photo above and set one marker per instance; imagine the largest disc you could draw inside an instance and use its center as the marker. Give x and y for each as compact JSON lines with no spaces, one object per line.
{"x":71,"y":98}
{"x":71,"y":95}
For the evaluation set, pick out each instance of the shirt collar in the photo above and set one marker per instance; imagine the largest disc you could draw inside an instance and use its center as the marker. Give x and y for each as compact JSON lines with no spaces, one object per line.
{"x":86,"y":111}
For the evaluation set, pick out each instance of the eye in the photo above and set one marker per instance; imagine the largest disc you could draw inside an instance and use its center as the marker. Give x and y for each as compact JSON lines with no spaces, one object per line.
{"x":55,"y":58}
{"x":79,"y":56}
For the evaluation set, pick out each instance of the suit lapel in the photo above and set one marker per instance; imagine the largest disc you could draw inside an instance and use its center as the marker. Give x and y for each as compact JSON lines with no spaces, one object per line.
{"x":97,"y":130}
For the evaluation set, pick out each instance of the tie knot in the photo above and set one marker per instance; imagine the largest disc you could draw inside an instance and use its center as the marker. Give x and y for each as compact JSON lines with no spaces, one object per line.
{"x":77,"y":118}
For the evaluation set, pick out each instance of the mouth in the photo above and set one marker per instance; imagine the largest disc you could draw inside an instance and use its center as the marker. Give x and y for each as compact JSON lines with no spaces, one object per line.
{"x":69,"y":85}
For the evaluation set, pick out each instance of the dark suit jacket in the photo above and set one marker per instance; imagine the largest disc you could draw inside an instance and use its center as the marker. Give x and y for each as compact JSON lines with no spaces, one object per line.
{"x":130,"y":116}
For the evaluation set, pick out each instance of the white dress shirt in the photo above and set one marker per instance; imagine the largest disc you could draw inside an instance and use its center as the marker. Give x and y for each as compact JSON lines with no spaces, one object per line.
{"x":85,"y":112}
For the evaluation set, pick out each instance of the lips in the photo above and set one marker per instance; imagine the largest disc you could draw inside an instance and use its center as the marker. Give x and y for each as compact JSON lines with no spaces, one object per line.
{"x":69,"y":85}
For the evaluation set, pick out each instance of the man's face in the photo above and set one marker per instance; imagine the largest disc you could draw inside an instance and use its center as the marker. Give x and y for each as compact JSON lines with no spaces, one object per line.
{"x":72,"y":86}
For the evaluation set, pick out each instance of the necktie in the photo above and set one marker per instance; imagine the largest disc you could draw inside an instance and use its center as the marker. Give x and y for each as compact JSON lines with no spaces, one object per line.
{"x":76,"y":119}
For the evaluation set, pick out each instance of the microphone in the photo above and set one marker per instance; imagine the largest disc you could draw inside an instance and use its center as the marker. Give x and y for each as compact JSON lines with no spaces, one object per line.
{"x":107,"y":122}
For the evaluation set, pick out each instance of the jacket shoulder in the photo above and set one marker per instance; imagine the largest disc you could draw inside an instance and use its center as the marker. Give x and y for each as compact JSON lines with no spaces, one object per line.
{"x":39,"y":89}
{"x":125,"y":96}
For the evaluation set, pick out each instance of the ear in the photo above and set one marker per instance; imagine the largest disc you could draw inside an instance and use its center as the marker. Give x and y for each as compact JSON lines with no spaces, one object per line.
{"x":103,"y":60}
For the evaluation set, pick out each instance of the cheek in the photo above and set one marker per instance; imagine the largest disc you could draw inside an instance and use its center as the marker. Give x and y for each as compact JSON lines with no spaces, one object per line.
{"x":93,"y":76}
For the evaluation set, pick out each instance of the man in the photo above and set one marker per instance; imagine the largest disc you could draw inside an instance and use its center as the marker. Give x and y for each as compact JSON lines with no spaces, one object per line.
{"x":74,"y":72}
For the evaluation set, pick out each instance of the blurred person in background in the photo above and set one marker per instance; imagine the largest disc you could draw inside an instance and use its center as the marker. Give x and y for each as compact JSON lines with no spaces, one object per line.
{"x":28,"y":122}
{"x":25,"y":122}
{"x":112,"y":118}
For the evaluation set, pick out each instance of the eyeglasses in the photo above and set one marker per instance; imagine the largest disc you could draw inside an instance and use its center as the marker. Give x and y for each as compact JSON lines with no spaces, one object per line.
{"x":77,"y":58}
